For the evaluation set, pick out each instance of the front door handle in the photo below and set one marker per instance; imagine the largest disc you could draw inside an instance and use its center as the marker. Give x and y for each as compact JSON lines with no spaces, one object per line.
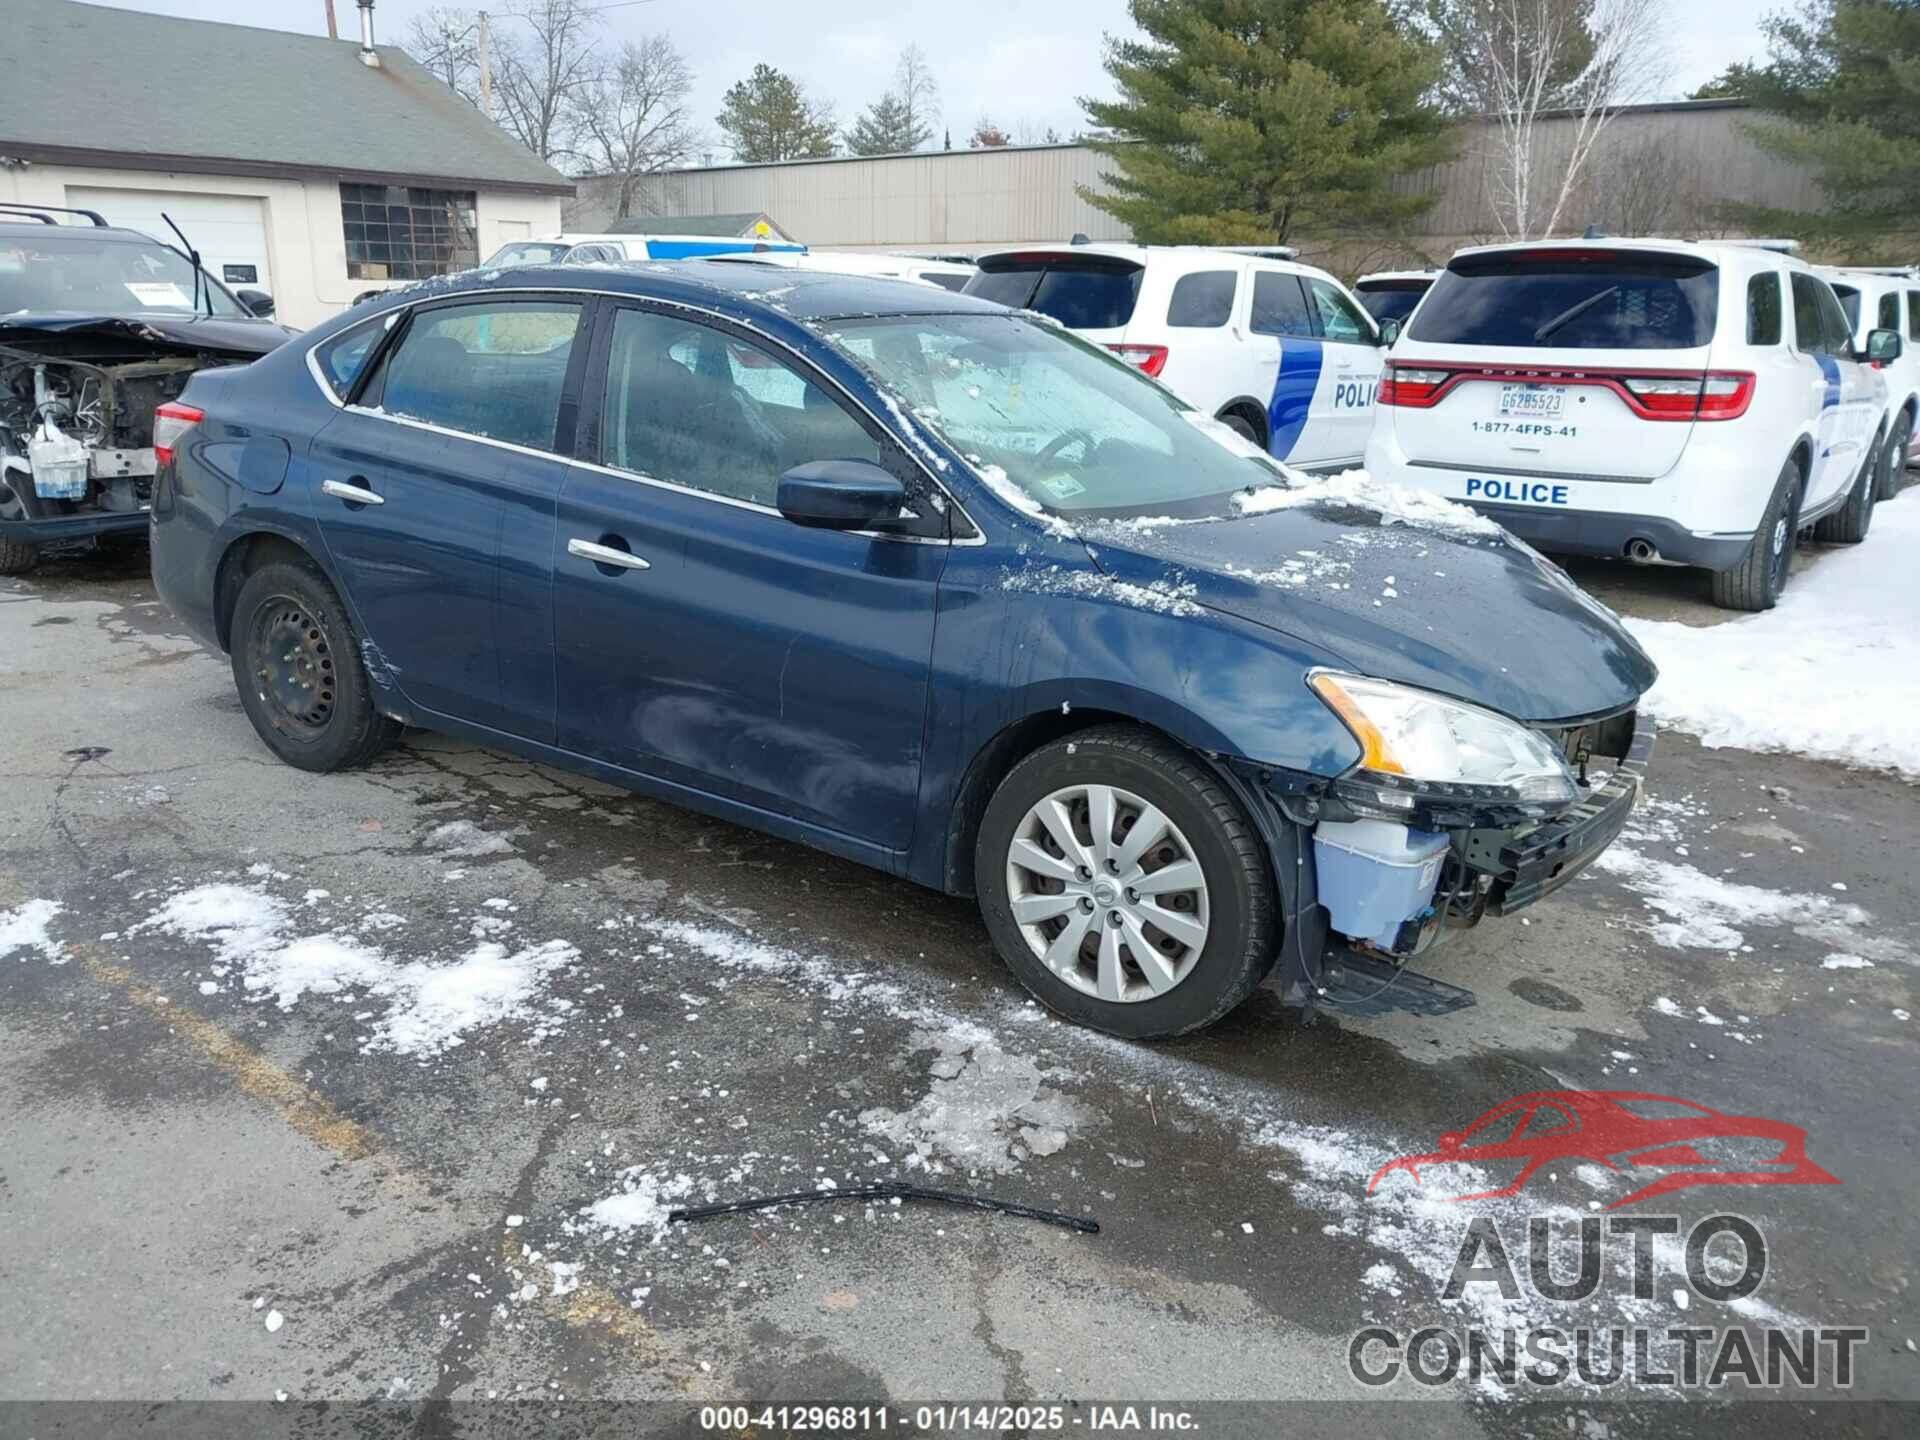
{"x":352,"y":494}
{"x":605,"y":555}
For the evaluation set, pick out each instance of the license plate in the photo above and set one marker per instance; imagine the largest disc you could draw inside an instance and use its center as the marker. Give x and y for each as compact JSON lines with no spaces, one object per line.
{"x":1544,"y":400}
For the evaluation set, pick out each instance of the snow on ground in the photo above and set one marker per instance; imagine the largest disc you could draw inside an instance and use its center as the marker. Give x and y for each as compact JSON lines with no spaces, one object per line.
{"x":432,"y":1003}
{"x":1694,"y":910}
{"x":985,"y":1110}
{"x":24,"y":929}
{"x":1832,"y":672}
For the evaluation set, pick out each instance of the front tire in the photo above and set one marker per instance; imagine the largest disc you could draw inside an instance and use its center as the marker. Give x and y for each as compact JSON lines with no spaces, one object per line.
{"x":1849,"y":524}
{"x":16,"y":556}
{"x":296,"y":663}
{"x":1756,"y":581}
{"x":1124,"y":886}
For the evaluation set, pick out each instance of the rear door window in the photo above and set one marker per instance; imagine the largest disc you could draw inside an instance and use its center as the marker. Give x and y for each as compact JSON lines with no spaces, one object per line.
{"x":1202,"y":300}
{"x":1913,"y":314}
{"x":1819,"y":324}
{"x":1096,"y":293}
{"x":494,"y":369}
{"x":1573,"y":300}
{"x":1889,"y":311}
{"x":1340,"y":319}
{"x":1763,"y":309}
{"x":1280,"y":305}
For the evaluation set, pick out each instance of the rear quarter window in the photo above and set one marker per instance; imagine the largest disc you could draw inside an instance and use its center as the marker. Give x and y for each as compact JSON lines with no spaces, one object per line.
{"x":1202,"y":300}
{"x":1913,"y":314}
{"x":1573,"y":300}
{"x":1889,"y":318}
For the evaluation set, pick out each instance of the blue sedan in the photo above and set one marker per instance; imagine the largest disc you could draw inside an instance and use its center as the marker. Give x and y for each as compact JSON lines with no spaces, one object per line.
{"x":920,"y":581}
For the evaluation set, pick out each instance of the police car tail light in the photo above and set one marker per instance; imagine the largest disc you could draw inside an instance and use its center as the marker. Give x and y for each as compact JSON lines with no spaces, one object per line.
{"x":1149,"y":359}
{"x":1412,"y":387}
{"x":1716,"y":395}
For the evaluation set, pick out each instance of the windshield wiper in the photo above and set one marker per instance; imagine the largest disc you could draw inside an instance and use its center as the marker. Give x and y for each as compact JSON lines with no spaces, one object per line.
{"x":1573,"y":312}
{"x":193,"y":259}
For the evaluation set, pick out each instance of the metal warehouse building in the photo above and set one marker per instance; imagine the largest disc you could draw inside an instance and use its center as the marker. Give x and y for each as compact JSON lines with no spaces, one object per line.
{"x":1657,"y":168}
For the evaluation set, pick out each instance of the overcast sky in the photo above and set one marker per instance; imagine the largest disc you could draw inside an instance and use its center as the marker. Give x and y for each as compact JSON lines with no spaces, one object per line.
{"x":1023,"y":64}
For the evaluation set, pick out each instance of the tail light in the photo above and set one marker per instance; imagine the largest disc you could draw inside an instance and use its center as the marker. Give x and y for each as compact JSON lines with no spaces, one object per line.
{"x":1148,"y":359}
{"x":1716,"y":395}
{"x":1411,"y":386}
{"x":170,"y":422}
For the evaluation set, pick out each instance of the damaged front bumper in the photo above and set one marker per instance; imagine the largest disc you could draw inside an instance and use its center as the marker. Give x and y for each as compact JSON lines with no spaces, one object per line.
{"x":1471,"y":862}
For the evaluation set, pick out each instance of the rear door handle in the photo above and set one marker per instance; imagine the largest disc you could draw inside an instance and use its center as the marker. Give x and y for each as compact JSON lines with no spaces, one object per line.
{"x":605,"y":555}
{"x":352,"y":494}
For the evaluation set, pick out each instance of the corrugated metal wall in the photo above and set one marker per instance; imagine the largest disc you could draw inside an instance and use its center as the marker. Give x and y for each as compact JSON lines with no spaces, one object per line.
{"x":1658,"y":168}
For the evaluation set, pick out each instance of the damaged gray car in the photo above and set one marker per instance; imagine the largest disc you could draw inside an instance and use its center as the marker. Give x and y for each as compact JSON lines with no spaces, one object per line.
{"x":99,"y":327}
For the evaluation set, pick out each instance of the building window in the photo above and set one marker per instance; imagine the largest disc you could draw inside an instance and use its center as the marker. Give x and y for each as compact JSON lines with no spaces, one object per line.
{"x":407,"y":232}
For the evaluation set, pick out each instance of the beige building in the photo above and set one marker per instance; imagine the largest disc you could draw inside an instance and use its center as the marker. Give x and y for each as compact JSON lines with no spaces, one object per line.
{"x":292,"y":163}
{"x":1657,"y":168}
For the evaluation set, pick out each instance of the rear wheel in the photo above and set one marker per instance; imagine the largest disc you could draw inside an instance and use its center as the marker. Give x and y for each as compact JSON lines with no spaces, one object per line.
{"x":1893,"y":469}
{"x":1124,"y":886}
{"x":1756,"y":581}
{"x":1241,"y":426}
{"x":296,"y":662}
{"x":1849,"y":524}
{"x":16,"y":556}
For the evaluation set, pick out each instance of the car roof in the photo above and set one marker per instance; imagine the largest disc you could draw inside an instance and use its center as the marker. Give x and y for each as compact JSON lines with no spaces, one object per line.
{"x":33,"y":229}
{"x":1389,"y":275}
{"x":1718,"y":252}
{"x":731,"y":283}
{"x":1191,"y":255}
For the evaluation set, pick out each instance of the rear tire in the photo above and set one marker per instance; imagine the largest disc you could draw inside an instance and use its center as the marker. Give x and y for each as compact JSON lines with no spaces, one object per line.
{"x":296,"y":663}
{"x":1089,"y":906}
{"x":1849,"y":524}
{"x":1893,"y":469}
{"x":1756,"y":581}
{"x":1242,"y":427}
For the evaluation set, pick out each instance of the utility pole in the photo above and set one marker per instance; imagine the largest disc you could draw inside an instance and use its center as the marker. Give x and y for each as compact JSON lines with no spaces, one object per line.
{"x":333,"y":26}
{"x":486,"y":69}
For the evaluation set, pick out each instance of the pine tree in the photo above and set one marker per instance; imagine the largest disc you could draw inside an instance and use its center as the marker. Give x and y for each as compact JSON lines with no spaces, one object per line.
{"x":1841,"y":93}
{"x":885,"y":129}
{"x":1262,"y":120}
{"x":768,"y":116}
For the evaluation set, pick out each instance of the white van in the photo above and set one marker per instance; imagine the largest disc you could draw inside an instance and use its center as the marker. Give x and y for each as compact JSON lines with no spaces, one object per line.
{"x":1278,"y":350}
{"x":1888,"y":299}
{"x":1658,"y":400}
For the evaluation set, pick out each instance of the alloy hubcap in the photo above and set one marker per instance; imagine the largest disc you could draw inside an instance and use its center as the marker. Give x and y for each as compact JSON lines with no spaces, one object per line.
{"x":1108,"y":893}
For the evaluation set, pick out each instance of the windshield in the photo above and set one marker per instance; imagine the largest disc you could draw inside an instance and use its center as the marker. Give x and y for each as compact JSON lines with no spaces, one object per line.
{"x":527,"y":252}
{"x":1572,"y":300}
{"x":1392,"y":304}
{"x":1073,"y":428}
{"x":102,"y":276}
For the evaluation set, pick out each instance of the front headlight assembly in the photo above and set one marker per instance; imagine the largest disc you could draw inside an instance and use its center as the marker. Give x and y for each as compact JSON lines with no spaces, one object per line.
{"x":1421,"y":750}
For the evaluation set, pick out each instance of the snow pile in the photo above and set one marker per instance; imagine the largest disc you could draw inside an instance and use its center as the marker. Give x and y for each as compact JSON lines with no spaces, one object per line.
{"x":985,"y":1110}
{"x":643,"y":1202}
{"x":25,"y":929}
{"x":432,"y":1004}
{"x":1356,"y":489}
{"x":1166,"y":597}
{"x":467,"y":840}
{"x":1832,"y":672}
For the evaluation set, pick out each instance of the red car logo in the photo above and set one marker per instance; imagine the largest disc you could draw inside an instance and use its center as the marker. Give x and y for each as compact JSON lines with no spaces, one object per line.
{"x":1622,"y":1130}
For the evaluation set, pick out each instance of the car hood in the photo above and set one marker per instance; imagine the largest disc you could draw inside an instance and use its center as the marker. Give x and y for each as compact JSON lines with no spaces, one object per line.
{"x":75,"y":333}
{"x":1464,"y":609}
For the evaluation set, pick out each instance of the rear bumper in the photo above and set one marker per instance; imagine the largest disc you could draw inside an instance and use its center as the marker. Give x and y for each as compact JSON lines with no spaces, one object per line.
{"x":48,"y":530}
{"x":1587,"y":532}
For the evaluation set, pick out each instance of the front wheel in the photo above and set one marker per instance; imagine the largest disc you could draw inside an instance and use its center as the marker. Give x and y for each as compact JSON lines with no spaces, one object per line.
{"x":1124,"y":886}
{"x":296,"y":662}
{"x":1893,"y":469}
{"x":16,"y":556}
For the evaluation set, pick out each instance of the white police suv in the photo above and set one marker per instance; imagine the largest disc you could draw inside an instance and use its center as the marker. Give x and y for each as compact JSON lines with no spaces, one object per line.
{"x":1888,"y":299}
{"x":1278,"y":350}
{"x":1664,"y":401}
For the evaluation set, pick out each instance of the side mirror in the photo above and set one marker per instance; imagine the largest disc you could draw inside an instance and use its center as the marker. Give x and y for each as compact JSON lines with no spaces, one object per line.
{"x":840,"y":495}
{"x":1884,"y":346}
{"x":1389,"y":332}
{"x":258,"y":302}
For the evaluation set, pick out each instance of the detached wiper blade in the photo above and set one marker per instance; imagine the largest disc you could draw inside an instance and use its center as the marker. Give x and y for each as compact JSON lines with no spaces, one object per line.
{"x":1573,"y":312}
{"x":892,"y":1191}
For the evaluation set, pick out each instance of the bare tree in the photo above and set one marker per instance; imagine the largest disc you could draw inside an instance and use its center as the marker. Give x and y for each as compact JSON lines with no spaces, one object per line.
{"x":444,"y":40}
{"x":633,"y":121}
{"x":1517,"y":53}
{"x":544,"y":55}
{"x":919,"y":94}
{"x":1642,"y":187}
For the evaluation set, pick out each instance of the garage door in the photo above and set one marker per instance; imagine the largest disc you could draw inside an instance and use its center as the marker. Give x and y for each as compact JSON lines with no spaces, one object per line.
{"x":230,"y":231}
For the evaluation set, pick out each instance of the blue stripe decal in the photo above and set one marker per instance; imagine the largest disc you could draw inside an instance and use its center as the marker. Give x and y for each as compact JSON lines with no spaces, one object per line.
{"x":694,"y":249}
{"x":1293,"y":391}
{"x":1830,"y":368}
